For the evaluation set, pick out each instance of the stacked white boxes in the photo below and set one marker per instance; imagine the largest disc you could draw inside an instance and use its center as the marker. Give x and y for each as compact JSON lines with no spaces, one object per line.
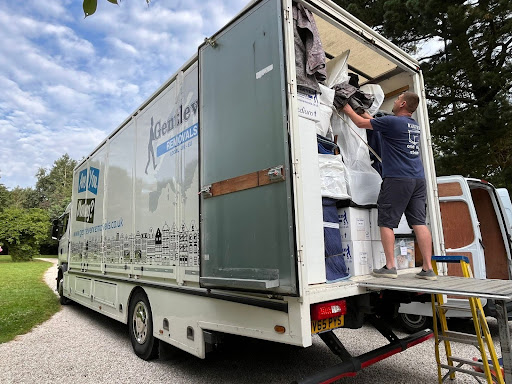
{"x":356,"y":240}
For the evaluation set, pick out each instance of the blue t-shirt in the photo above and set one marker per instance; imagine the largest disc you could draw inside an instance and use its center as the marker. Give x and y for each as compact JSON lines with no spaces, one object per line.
{"x":400,"y":146}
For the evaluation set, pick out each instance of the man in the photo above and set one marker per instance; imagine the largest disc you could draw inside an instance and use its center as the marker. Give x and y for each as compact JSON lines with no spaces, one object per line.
{"x":403,"y":185}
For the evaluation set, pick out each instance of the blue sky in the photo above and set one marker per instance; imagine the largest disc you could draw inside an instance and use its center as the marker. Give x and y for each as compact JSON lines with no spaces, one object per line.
{"x":66,"y":82}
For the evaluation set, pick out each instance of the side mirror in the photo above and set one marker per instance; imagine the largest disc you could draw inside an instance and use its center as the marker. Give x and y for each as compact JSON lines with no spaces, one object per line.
{"x":56,"y":230}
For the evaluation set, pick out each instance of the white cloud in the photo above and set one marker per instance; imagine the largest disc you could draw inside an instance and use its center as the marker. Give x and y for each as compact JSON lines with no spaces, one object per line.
{"x":68,"y":81}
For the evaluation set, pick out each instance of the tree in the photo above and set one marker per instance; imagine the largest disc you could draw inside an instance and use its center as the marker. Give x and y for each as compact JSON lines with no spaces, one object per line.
{"x":468,"y":78}
{"x":23,"y":230}
{"x":4,"y":197}
{"x":90,"y":6}
{"x":54,"y":186}
{"x":24,"y":198}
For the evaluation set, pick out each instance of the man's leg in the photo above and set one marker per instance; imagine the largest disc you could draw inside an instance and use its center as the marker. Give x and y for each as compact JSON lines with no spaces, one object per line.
{"x":387,"y":237}
{"x":424,"y":239}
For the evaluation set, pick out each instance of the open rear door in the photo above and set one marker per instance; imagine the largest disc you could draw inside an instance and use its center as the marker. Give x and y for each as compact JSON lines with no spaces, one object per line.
{"x":460,"y":224}
{"x":247,"y":230}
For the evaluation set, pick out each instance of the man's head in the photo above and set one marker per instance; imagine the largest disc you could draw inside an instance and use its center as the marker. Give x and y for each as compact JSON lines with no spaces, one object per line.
{"x":406,"y":103}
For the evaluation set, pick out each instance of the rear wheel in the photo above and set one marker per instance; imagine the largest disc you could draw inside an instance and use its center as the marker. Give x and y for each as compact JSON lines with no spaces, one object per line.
{"x":140,"y":325}
{"x":413,"y":323}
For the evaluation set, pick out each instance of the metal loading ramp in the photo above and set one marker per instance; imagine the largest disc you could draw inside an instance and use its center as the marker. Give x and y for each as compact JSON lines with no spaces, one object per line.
{"x":498,"y":290}
{"x":446,"y":285}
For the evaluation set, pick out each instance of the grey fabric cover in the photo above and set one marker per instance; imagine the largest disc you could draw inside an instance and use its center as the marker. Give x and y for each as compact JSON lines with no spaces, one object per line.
{"x":309,"y":53}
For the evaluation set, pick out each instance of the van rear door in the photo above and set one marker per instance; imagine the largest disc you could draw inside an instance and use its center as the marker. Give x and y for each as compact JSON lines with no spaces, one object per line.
{"x":460,"y":224}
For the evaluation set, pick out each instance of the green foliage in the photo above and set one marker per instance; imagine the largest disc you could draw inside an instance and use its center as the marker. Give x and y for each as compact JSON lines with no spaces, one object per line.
{"x":24,"y":230}
{"x":25,"y":299}
{"x":5,"y":198}
{"x":468,"y":78}
{"x":54,"y":186}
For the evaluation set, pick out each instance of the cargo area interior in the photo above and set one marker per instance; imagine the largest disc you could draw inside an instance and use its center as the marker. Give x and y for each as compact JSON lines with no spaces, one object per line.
{"x":375,"y":71}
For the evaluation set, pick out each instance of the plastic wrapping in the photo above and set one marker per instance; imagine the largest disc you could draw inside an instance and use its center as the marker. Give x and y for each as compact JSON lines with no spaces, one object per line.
{"x":378,"y":94}
{"x":363,"y":181}
{"x":337,"y":70}
{"x":323,"y":126}
{"x":333,"y":177}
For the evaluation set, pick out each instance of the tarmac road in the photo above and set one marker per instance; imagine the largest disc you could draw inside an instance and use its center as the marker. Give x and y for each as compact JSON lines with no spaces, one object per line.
{"x":78,"y":345}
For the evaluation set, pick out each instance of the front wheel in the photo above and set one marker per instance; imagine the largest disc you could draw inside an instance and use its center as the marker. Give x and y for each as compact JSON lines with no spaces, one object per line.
{"x":140,"y":325}
{"x":413,"y":323}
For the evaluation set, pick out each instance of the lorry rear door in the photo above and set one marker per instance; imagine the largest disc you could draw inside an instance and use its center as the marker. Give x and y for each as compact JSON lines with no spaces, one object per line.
{"x":247,"y":230}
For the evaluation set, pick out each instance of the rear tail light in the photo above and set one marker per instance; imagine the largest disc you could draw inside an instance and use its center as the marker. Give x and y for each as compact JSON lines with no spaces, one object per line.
{"x":327,"y":310}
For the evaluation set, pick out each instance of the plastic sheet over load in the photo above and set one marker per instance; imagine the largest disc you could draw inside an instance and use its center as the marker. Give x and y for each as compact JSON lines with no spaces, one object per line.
{"x":363,"y":181}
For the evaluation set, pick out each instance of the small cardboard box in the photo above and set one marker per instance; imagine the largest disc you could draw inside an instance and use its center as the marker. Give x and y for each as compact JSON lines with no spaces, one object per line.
{"x":358,"y":257}
{"x":354,"y":224}
{"x":404,"y":253}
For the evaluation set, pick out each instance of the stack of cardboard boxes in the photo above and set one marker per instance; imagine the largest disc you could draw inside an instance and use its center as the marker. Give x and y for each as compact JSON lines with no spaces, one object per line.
{"x":356,"y":240}
{"x":362,"y":247}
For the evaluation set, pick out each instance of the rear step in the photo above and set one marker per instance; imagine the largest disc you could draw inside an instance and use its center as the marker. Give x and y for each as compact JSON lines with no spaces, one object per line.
{"x":351,"y":365}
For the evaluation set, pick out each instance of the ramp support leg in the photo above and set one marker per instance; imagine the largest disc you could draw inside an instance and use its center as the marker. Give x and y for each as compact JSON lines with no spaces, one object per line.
{"x":502,"y":317}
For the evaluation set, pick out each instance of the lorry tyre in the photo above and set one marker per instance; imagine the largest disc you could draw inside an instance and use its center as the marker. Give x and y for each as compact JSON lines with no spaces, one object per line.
{"x":413,"y":323}
{"x":62,"y":299}
{"x":140,"y":325}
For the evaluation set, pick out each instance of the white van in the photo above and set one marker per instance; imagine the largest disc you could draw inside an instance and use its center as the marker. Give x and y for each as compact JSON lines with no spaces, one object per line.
{"x":475,"y":224}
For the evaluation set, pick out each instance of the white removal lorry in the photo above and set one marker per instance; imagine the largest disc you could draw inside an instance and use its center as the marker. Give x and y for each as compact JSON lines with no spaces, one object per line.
{"x":201,"y":214}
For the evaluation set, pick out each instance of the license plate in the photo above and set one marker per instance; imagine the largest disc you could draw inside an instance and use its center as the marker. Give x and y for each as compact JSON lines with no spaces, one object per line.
{"x":318,"y":326}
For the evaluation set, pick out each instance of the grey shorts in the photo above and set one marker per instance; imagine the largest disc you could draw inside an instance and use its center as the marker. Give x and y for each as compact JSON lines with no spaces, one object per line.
{"x":400,"y":195}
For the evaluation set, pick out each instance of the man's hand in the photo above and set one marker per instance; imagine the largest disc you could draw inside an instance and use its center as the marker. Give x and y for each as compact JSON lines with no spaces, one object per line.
{"x":347,"y":109}
{"x":361,"y":122}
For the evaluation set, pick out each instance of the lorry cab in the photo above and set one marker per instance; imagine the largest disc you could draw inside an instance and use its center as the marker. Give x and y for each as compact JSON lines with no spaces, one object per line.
{"x":60,"y":232}
{"x":475,"y":224}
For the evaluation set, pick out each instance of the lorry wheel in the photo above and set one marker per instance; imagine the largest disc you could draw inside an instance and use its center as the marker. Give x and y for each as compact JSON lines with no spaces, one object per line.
{"x":140,"y":325}
{"x":62,"y":299}
{"x":413,"y":323}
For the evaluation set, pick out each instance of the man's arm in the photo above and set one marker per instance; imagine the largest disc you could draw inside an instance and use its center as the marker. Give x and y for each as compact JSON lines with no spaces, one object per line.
{"x":361,"y":121}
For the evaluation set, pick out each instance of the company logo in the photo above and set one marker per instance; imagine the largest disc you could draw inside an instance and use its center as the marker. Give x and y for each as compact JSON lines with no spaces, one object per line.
{"x":90,"y":184}
{"x":159,"y":129}
{"x":177,"y":140}
{"x":82,"y":180}
{"x":94,"y":177}
{"x":85,"y":210}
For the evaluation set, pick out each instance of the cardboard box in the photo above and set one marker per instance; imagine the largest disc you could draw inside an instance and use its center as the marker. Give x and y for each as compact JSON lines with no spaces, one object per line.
{"x":354,"y":224}
{"x":379,"y":257}
{"x":403,"y":227}
{"x":358,"y":257}
{"x":374,"y":226}
{"x":404,"y":253}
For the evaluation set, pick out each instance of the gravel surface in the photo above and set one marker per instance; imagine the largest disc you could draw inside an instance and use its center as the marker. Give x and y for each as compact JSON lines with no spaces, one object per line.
{"x":78,"y":345}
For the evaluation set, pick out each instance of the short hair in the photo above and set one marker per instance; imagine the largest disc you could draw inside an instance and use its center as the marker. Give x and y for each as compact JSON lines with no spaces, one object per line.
{"x":412,"y":100}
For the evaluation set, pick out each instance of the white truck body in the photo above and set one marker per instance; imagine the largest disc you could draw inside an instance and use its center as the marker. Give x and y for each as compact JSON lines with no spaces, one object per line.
{"x":145,"y":216}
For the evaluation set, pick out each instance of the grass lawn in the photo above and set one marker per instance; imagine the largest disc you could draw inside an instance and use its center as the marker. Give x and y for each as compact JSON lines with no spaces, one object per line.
{"x":25,"y":299}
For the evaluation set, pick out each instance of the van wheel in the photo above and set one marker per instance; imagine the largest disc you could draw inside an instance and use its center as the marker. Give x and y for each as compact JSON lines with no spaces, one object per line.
{"x":413,"y":323}
{"x":140,"y":325}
